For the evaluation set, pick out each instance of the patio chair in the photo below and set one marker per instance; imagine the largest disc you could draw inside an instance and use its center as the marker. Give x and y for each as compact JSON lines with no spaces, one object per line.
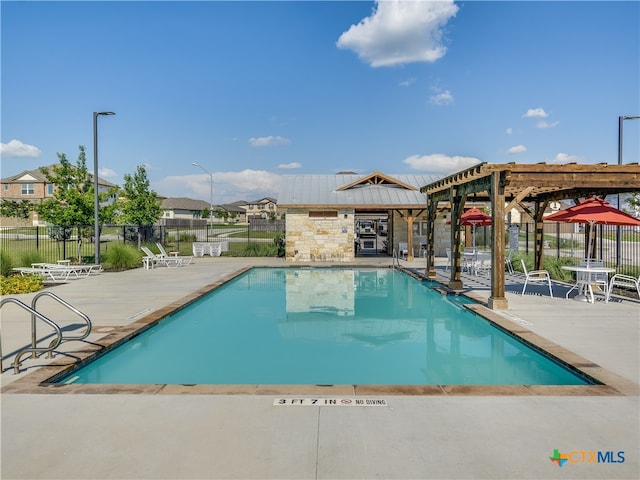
{"x":482,"y":263}
{"x":507,"y":262}
{"x":403,"y":249}
{"x":624,"y":281}
{"x":186,"y":259}
{"x":448,"y":267}
{"x":601,"y":280}
{"x":536,"y":276}
{"x":151,"y":260}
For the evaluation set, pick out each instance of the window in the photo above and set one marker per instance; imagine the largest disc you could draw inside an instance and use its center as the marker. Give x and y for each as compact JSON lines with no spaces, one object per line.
{"x":6,"y":186}
{"x":27,"y":189}
{"x":50,"y":189}
{"x":323,"y":214}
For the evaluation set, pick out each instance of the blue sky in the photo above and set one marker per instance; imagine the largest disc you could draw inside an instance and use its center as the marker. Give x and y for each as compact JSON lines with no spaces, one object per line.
{"x":256,"y":90}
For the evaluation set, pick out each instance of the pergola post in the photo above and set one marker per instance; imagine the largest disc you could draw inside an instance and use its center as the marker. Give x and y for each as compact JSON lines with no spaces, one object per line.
{"x":457,"y":202}
{"x":497,"y":300}
{"x":430,"y":270}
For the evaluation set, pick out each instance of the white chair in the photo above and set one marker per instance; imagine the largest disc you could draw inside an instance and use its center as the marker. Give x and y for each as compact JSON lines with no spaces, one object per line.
{"x":198,"y":249}
{"x":403,"y":249}
{"x":536,"y":276}
{"x":151,"y":260}
{"x":186,"y":259}
{"x":624,"y":281}
{"x":482,"y":263}
{"x":448,"y":267}
{"x":507,"y":262}
{"x":215,"y":249}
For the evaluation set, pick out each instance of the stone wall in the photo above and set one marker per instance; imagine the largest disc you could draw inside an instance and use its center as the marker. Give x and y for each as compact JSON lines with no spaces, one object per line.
{"x":314,"y":236}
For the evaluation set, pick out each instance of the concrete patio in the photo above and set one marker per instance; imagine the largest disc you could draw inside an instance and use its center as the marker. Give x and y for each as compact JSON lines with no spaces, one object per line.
{"x":173,"y":435}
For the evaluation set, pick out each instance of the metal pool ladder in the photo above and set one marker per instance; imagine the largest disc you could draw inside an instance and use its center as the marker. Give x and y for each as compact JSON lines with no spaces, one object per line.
{"x":395,"y":259}
{"x":35,"y":315}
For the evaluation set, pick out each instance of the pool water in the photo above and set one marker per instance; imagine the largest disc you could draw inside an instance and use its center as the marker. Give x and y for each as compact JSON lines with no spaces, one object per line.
{"x":325,"y":326}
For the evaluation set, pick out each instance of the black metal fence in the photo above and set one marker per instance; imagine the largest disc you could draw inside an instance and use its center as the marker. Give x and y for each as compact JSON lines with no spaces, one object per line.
{"x":616,"y":246}
{"x":55,"y":243}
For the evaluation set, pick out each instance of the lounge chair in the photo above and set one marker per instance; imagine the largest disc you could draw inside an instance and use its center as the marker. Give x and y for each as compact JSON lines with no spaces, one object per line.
{"x":625,"y":281}
{"x":54,"y":274}
{"x":536,"y":276}
{"x":186,"y":259}
{"x":151,"y":260}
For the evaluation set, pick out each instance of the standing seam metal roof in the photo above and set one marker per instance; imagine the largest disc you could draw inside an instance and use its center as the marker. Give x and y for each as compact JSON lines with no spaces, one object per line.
{"x":323,"y":190}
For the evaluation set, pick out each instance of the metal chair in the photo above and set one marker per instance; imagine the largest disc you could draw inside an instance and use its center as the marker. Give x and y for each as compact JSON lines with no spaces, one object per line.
{"x":624,"y":281}
{"x":536,"y":276}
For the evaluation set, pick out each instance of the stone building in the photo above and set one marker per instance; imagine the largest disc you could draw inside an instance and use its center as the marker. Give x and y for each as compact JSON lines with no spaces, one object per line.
{"x":323,"y":213}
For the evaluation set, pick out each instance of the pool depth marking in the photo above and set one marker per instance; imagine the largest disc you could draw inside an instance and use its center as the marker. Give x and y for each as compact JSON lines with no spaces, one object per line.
{"x":331,"y":402}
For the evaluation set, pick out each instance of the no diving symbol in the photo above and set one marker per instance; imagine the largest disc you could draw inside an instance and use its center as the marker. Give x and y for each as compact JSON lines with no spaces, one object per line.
{"x":345,"y":401}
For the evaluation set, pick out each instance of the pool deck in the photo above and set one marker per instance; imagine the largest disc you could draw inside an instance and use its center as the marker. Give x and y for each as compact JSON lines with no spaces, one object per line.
{"x":490,"y":434}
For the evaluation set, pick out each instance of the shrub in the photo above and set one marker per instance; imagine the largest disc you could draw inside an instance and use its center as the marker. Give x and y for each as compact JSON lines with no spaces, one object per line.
{"x":121,"y":257}
{"x":254,"y":249}
{"x":27,"y":258}
{"x":6,"y":264}
{"x":183,"y":237}
{"x":17,"y":284}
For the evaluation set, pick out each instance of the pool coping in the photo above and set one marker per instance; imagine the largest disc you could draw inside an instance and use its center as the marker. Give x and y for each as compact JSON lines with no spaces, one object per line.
{"x":41,"y":380}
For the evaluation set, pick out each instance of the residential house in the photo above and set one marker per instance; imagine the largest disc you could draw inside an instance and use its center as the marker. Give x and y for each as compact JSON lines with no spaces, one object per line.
{"x":264,"y":208}
{"x":33,"y":186}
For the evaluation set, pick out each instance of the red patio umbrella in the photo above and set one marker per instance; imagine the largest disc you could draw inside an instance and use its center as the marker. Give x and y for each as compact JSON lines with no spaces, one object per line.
{"x":475,"y":217}
{"x":593,"y":211}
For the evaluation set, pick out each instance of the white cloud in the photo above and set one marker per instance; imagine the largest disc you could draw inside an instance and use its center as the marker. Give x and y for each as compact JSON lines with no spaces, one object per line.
{"x":440,"y":164}
{"x":227,"y":186}
{"x":565,"y":158}
{"x":509,"y":131}
{"x":444,"y":98}
{"x":543,"y":124}
{"x":106,"y":173}
{"x":15,"y":148}
{"x":269,"y":141}
{"x":400,"y":32}
{"x":535,"y":113}
{"x":290,"y":166}
{"x":517,"y":149}
{"x":408,"y":82}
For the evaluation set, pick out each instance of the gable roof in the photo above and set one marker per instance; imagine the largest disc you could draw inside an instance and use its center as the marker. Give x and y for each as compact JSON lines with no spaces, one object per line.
{"x":371,"y":191}
{"x":37,"y":176}
{"x":184,"y":203}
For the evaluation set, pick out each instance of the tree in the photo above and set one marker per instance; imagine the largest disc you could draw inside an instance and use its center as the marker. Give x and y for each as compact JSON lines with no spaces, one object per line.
{"x":138,"y":204}
{"x":634,"y":201}
{"x":72,"y":204}
{"x":12,"y":208}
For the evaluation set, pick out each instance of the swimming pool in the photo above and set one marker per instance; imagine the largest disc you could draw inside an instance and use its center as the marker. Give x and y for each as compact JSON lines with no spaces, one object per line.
{"x":325,"y":326}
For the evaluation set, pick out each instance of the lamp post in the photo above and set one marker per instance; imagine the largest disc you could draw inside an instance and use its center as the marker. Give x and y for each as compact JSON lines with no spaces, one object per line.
{"x":621,"y":119}
{"x":96,"y":196}
{"x":210,"y":193}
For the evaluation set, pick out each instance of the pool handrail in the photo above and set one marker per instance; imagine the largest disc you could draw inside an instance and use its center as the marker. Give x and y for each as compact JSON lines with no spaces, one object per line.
{"x":33,"y":349}
{"x":66,"y":304}
{"x":395,"y":259}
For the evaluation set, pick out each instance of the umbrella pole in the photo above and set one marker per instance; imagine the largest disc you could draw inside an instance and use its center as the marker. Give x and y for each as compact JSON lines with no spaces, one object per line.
{"x":589,"y":240}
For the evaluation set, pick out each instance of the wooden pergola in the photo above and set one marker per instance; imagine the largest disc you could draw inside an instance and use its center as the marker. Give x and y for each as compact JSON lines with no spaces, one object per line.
{"x":526,"y":185}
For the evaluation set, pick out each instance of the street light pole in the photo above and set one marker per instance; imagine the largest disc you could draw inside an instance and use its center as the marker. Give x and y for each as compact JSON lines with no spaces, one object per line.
{"x":621,"y":119}
{"x":210,"y":193}
{"x":96,"y":196}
